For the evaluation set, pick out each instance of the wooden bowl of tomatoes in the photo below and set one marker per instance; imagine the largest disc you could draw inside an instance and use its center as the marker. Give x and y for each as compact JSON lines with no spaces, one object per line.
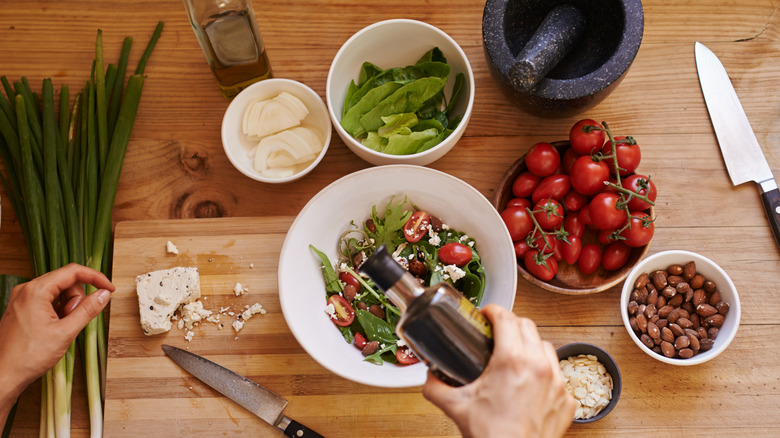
{"x":577,"y":229}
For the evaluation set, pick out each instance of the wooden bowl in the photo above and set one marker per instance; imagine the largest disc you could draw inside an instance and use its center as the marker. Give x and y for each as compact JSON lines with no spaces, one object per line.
{"x":569,"y":280}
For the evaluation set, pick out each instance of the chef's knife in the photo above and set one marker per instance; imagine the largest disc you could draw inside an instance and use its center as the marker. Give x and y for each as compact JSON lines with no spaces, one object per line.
{"x":257,"y":399}
{"x":741,"y":152}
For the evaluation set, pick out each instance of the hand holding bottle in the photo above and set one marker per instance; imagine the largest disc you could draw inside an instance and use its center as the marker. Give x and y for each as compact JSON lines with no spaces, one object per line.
{"x":521,"y":391}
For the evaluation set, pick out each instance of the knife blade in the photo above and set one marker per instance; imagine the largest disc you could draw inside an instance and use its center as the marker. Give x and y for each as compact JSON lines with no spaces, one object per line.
{"x":256,"y":398}
{"x":738,"y":144}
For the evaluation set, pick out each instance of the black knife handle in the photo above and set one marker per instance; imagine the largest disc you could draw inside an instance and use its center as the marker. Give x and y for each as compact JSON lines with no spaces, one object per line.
{"x":298,"y":430}
{"x":771,"y":201}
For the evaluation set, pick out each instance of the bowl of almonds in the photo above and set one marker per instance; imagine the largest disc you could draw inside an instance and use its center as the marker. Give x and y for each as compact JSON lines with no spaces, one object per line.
{"x":680,"y":307}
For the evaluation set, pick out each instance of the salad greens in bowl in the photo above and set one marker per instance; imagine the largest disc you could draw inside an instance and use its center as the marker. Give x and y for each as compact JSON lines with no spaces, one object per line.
{"x":332,"y":230}
{"x":405,"y":102}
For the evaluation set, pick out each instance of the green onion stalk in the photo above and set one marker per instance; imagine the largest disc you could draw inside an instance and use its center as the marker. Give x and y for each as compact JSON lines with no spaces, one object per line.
{"x":62,"y":167}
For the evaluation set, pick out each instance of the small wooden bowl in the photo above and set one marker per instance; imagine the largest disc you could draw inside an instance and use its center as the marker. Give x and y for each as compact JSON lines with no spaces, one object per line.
{"x":569,"y":280}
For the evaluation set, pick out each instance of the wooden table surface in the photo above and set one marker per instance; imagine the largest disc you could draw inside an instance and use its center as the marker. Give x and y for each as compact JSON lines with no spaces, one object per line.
{"x":175,"y":168}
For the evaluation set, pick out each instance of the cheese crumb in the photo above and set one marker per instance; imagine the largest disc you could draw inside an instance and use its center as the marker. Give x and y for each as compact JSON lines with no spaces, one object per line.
{"x":238,"y":325}
{"x":453,"y":272}
{"x":239,"y":290}
{"x":189,"y":335}
{"x":171,"y":248}
{"x":331,"y":310}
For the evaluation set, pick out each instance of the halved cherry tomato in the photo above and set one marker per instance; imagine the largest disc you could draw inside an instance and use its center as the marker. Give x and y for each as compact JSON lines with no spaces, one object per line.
{"x":642,"y":185}
{"x":615,"y":256}
{"x":519,"y":202}
{"x":574,"y":201}
{"x":348,"y":278}
{"x":417,"y":226}
{"x":638,"y":234}
{"x":542,"y":159}
{"x":360,"y":340}
{"x":604,"y":211}
{"x":518,"y":222}
{"x":524,"y":184}
{"x":584,"y":142}
{"x":548,"y":213}
{"x":572,"y":249}
{"x":344,"y":314}
{"x":628,"y":156}
{"x":406,"y":356}
{"x":544,"y":270}
{"x":588,"y":176}
{"x":573,"y":224}
{"x":455,"y":253}
{"x":553,"y":186}
{"x":590,"y":258}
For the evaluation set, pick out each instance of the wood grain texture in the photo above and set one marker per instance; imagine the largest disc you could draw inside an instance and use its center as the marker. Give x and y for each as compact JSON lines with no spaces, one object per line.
{"x":176,"y":169}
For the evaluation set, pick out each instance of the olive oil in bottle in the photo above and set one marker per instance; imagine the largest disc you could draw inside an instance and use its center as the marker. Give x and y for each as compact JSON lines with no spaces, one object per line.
{"x":228,"y":34}
{"x":438,"y":323}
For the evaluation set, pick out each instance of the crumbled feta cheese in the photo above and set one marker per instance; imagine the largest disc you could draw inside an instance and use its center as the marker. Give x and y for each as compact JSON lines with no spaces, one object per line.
{"x":445,"y":227}
{"x":471,"y":243}
{"x":454,"y":272}
{"x":398,"y":250}
{"x":254,"y":310}
{"x":238,"y":325}
{"x":400,"y":343}
{"x":239,"y":290}
{"x":464,"y":237}
{"x":223,"y":309}
{"x":180,"y":324}
{"x":330,"y":309}
{"x":171,"y":248}
{"x":343,"y":266}
{"x":189,"y":335}
{"x":192,"y":313}
{"x":434,"y":238}
{"x":251,"y":265}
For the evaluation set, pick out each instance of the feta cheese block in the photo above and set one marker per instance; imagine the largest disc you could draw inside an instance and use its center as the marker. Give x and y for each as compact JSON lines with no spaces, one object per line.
{"x":160,"y":293}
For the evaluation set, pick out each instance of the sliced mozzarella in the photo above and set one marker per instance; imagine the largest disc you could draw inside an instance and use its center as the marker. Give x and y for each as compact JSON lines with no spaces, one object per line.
{"x":266,"y":117}
{"x":286,"y":151}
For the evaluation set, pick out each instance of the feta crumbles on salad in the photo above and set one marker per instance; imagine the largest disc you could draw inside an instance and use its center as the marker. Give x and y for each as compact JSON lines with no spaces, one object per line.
{"x":422,"y":244}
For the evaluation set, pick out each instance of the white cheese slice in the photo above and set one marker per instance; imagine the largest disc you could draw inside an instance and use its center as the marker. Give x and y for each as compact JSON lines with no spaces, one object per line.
{"x":160,"y":293}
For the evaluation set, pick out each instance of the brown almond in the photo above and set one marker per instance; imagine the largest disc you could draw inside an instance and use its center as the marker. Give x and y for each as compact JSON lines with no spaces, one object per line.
{"x":377,"y":311}
{"x":681,"y":342}
{"x":661,"y":323}
{"x":709,"y":286}
{"x":675,"y":270}
{"x":657,"y":350}
{"x":661,"y":301}
{"x":675,"y":301}
{"x":362,"y":306}
{"x":668,"y":349}
{"x":694,"y":342}
{"x":714,"y":298}
{"x":653,"y":330}
{"x":714,"y":320}
{"x":632,"y":307}
{"x":706,"y":310}
{"x":647,"y":341}
{"x":676,"y":330}
{"x":702,"y":332}
{"x":652,"y":297}
{"x":723,"y":308}
{"x":688,"y":307}
{"x":642,"y":281}
{"x":712,"y":333}
{"x":706,"y":344}
{"x":641,"y":322}
{"x":634,"y":295}
{"x":689,"y":270}
{"x":696,"y":320}
{"x":633,"y":324}
{"x":668,"y":292}
{"x":650,"y":311}
{"x":685,"y":353}
{"x":641,"y":296}
{"x":370,"y":348}
{"x":697,"y":281}
{"x":654,"y":319}
{"x":674,"y":280}
{"x":350,"y":292}
{"x":659,"y":280}
{"x":683,"y":288}
{"x":664,"y":311}
{"x":667,"y":335}
{"x":699,"y":297}
{"x":691,"y":332}
{"x":686,"y":323}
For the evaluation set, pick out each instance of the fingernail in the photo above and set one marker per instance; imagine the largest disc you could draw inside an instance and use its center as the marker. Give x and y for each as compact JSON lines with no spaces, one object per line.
{"x":103,"y":296}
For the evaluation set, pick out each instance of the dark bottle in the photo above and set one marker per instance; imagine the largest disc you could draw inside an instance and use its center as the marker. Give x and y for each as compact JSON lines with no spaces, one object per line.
{"x":438,"y":323}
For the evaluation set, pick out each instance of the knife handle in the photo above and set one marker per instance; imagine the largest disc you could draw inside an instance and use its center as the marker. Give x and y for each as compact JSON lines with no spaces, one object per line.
{"x":771,"y":201}
{"x":297,"y":430}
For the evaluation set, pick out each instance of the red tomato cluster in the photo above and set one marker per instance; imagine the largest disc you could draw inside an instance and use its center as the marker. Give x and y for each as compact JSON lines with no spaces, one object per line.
{"x":563,"y":203}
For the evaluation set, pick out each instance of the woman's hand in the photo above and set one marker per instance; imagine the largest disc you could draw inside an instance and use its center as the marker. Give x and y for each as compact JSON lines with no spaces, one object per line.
{"x":521,"y":391}
{"x":43,"y":317}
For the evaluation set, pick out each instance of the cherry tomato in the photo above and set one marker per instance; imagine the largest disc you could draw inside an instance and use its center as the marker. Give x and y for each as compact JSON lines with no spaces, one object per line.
{"x":348,"y":278}
{"x":543,"y":270}
{"x":571,"y":250}
{"x":604,"y":211}
{"x":406,"y":356}
{"x":518,"y":222}
{"x":573,"y":224}
{"x":637,"y":234}
{"x":574,"y":201}
{"x":569,"y":157}
{"x":590,"y":258}
{"x":360,"y":340}
{"x":455,"y":253}
{"x":588,"y":176}
{"x":584,"y":142}
{"x":344,"y":314}
{"x":640,"y":184}
{"x":605,"y":237}
{"x":524,"y":184}
{"x":584,"y":216}
{"x":615,"y":256}
{"x":628,"y":156}
{"x":610,"y":189}
{"x":521,"y":247}
{"x":554,"y":186}
{"x":519,"y":202}
{"x":548,"y":213}
{"x":542,"y":159}
{"x":417,"y":226}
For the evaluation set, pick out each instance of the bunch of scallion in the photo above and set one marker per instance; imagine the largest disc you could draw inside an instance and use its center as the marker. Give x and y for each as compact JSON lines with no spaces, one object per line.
{"x":62,"y":167}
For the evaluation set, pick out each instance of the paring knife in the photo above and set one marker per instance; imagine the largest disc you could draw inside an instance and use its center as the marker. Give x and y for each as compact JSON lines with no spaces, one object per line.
{"x":741,"y":152}
{"x":257,"y":399}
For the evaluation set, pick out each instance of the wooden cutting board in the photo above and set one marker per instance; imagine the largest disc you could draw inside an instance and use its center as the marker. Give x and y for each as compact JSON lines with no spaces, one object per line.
{"x":148,"y":394}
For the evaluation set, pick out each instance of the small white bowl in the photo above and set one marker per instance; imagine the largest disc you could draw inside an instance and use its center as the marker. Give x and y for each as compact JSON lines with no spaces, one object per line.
{"x":397,"y":43}
{"x":238,"y":146}
{"x":329,"y":213}
{"x":710,"y":271}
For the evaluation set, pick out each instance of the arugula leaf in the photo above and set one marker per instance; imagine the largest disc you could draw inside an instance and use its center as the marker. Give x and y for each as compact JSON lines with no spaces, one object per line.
{"x":389,"y":228}
{"x":332,"y":284}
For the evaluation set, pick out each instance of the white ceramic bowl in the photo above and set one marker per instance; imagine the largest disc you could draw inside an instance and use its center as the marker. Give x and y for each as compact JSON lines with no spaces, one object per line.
{"x":329,"y":213}
{"x":238,"y":146}
{"x":397,"y":43}
{"x":710,"y":271}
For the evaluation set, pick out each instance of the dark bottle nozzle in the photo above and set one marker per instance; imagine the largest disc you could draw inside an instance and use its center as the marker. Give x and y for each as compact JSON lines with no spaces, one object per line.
{"x":382,"y":268}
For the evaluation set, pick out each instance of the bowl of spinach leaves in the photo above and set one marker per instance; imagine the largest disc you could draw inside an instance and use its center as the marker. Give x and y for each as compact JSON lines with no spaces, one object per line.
{"x":400,"y":92}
